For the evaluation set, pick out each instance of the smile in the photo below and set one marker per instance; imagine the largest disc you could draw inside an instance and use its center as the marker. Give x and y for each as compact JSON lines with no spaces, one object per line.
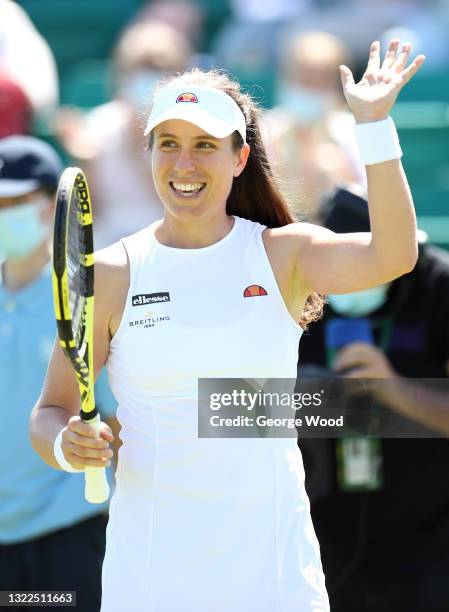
{"x":187,"y":190}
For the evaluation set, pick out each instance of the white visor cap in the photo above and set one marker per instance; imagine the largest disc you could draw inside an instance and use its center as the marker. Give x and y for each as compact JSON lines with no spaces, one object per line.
{"x":210,"y":109}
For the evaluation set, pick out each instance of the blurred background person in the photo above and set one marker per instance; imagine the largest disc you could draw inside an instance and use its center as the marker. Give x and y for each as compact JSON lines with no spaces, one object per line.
{"x":27,"y":58}
{"x":188,"y":17}
{"x":249,"y":38}
{"x":309,"y":133}
{"x":185,"y":16}
{"x":50,"y":537}
{"x":356,"y":21}
{"x":248,"y":42}
{"x":108,"y":141}
{"x":381,"y":507}
{"x":15,"y":108}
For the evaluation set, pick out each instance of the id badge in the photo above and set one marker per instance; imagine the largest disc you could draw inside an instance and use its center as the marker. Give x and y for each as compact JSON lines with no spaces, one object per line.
{"x":359,"y":464}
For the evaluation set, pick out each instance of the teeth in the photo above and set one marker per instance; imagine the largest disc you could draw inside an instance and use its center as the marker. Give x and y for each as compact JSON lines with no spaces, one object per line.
{"x":187,"y":186}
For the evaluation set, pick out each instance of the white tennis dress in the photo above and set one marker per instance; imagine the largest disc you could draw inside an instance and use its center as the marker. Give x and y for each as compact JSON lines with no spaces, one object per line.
{"x":204,"y":524}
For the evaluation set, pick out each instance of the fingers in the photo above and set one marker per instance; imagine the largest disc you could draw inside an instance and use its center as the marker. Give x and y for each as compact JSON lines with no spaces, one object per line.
{"x":85,"y":441}
{"x":82,"y":447}
{"x":402,"y":58}
{"x":393,"y":69}
{"x":374,"y":58}
{"x":413,"y":68}
{"x":392,"y":60}
{"x":106,"y":432}
{"x":81,"y":463}
{"x":81,"y":456}
{"x":354,"y":354}
{"x":390,"y":56}
{"x":373,"y":65}
{"x":397,"y":63}
{"x":83,"y":428}
{"x":84,"y":452}
{"x":347,"y":78}
{"x":357,"y":372}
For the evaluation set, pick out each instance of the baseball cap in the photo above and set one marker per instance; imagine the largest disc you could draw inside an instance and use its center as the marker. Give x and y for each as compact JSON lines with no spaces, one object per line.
{"x":345,"y":209}
{"x":210,"y":109}
{"x":27,"y":164}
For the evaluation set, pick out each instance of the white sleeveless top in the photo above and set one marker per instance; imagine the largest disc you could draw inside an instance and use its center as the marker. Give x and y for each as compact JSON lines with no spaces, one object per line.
{"x":204,"y":524}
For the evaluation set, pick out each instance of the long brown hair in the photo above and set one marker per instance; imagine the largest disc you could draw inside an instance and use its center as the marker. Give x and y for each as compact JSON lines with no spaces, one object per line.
{"x":254,"y":194}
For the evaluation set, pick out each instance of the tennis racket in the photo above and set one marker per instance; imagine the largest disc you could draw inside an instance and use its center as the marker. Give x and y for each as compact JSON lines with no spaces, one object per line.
{"x":73,"y":293}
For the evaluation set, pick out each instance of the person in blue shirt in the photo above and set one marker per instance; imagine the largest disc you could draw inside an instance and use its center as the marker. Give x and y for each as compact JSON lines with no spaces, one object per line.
{"x":51,"y":538}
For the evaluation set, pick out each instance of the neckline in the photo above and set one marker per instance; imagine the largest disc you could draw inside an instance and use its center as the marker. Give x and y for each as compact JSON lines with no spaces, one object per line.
{"x":199,"y":250}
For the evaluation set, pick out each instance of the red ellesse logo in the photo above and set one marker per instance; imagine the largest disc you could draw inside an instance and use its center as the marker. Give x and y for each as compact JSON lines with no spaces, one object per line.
{"x":254,"y":291}
{"x":186,"y":97}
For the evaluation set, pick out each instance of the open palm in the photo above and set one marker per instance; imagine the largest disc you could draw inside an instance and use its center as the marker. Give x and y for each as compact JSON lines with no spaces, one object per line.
{"x":372,"y":98}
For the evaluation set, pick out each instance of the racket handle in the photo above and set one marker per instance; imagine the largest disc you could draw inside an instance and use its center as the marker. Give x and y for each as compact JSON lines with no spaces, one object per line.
{"x":97,"y":486}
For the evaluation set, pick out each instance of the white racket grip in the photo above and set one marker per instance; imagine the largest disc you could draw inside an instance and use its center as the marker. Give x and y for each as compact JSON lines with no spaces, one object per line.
{"x":97,"y":487}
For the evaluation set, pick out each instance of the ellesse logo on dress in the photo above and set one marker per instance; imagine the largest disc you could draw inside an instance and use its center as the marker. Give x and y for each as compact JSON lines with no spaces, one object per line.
{"x":254,"y":291}
{"x":142,"y":299}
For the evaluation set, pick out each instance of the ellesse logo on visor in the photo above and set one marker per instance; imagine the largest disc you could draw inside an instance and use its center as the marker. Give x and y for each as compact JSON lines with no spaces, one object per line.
{"x":186,"y":97}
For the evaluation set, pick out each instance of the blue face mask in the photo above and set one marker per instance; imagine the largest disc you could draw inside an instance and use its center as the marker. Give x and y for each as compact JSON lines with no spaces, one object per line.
{"x":138,"y":87}
{"x":21,"y":229}
{"x":359,"y":304}
{"x":305,"y":105}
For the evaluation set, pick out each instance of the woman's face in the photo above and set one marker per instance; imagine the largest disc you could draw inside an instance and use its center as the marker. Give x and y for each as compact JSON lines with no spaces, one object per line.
{"x":192,"y":170}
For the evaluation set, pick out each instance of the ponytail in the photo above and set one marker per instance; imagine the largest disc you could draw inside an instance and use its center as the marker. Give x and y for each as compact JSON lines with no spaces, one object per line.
{"x":254,"y":194}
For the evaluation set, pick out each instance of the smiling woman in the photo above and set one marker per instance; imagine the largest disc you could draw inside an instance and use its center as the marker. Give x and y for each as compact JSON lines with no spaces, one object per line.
{"x":227,"y":143}
{"x":191,"y":162}
{"x":220,"y":524}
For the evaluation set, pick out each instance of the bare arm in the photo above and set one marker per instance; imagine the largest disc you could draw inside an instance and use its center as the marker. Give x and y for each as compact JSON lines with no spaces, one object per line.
{"x":344,"y":263}
{"x":59,"y":404}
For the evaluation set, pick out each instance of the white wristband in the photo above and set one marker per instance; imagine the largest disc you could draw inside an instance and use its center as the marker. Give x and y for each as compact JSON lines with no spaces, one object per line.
{"x":378,"y":141}
{"x":59,"y":455}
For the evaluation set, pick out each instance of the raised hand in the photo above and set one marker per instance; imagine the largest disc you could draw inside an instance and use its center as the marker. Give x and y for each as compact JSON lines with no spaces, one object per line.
{"x":372,"y":98}
{"x":362,"y":360}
